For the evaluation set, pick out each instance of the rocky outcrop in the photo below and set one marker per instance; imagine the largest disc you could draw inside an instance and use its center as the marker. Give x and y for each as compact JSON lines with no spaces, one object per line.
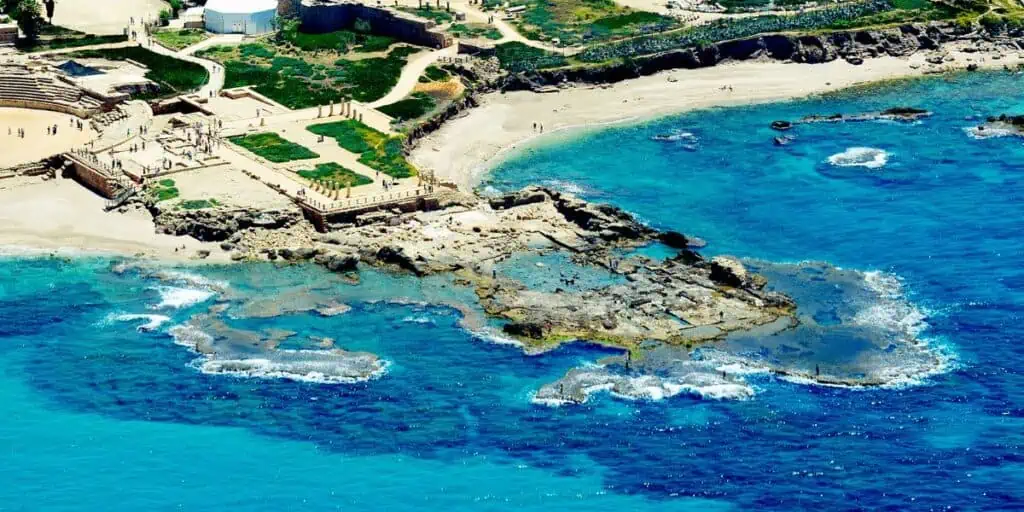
{"x":218,"y":225}
{"x":854,"y":46}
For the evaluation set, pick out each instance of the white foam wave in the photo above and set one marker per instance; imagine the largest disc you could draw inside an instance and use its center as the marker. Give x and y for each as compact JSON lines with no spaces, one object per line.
{"x":891,"y":312}
{"x":871,"y":158}
{"x":989,"y":133}
{"x":310,"y":370}
{"x":191,"y":279}
{"x":418,"y":319}
{"x":568,"y":187}
{"x":175,"y":297}
{"x":494,"y":336}
{"x":153,"y":322}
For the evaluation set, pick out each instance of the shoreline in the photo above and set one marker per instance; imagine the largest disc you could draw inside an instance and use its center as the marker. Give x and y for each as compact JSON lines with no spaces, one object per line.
{"x":467,"y":148}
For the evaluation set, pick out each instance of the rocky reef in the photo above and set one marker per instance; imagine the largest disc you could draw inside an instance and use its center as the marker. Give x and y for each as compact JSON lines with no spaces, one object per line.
{"x":1000,"y":126}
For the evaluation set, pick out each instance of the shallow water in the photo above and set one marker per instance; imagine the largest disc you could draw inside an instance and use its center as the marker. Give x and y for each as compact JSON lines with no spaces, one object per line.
{"x":103,"y":410}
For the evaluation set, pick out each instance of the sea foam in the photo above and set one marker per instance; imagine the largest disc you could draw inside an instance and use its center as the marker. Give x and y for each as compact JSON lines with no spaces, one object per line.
{"x":176,"y":297}
{"x":152,"y":322}
{"x":871,"y":158}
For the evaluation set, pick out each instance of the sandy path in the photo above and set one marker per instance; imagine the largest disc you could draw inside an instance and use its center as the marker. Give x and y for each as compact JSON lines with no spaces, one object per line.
{"x":411,"y":75}
{"x":464,"y":149}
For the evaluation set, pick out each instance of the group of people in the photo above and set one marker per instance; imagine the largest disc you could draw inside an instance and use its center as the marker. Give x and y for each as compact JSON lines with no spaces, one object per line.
{"x":538,"y":127}
{"x":77,"y":123}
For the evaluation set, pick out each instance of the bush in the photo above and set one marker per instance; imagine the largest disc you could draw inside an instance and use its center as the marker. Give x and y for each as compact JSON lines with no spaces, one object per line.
{"x":410,"y":108}
{"x":516,"y":56}
{"x":272,"y":147}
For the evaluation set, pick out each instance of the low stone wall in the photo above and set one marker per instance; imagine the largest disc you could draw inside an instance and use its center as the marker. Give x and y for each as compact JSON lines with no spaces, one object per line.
{"x":91,"y":178}
{"x":63,"y":108}
{"x":320,"y":16}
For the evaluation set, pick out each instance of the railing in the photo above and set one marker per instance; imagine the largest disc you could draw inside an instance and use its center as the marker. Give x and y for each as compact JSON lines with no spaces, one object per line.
{"x":363,"y":202}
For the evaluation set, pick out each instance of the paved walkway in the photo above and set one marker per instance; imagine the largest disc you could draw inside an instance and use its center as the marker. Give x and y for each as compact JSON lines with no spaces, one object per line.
{"x":411,"y":75}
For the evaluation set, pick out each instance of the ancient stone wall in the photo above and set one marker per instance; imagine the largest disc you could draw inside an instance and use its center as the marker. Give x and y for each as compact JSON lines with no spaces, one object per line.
{"x":319,"y":16}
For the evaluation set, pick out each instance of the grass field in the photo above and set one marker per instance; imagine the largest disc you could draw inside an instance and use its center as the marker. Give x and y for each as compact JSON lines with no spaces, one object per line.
{"x":173,"y":75}
{"x":435,"y":14}
{"x":375,"y":149}
{"x":341,"y":41}
{"x":336,"y":174}
{"x":180,"y":39}
{"x":305,"y":78}
{"x":272,"y":147}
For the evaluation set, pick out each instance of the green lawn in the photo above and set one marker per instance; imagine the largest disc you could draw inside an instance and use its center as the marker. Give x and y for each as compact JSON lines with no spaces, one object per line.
{"x":413,"y":107}
{"x":173,"y":75}
{"x":334,"y":173}
{"x":305,"y":79}
{"x":179,"y":39}
{"x":163,"y":190}
{"x":272,"y":147}
{"x":375,"y":149}
{"x":73,"y":41}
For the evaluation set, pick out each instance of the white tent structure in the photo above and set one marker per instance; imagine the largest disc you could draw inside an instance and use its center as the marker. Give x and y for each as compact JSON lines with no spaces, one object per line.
{"x":240,"y":16}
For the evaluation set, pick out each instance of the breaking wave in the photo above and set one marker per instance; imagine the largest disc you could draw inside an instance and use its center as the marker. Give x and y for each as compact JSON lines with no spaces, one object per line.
{"x":871,"y":158}
{"x":152,"y":322}
{"x":307,"y":366}
{"x":176,"y":298}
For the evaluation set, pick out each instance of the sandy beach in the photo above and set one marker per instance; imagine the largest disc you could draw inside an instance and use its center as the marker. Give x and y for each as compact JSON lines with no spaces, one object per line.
{"x":465,"y":148}
{"x":61,"y":216}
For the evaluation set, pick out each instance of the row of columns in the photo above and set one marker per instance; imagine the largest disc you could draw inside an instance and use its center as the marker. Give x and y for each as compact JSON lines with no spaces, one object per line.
{"x":345,"y":110}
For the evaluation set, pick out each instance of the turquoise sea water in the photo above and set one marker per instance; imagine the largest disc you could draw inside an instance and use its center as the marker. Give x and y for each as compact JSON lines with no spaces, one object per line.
{"x":98,"y":414}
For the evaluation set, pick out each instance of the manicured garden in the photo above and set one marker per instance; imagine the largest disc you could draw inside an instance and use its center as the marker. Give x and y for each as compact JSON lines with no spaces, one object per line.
{"x":272,"y":147}
{"x":180,"y":39}
{"x":376,"y":150}
{"x":299,"y":79}
{"x":334,"y":174}
{"x":174,"y":76}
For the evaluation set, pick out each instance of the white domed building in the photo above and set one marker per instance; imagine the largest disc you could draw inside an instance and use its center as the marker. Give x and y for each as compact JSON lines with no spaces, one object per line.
{"x":240,"y":16}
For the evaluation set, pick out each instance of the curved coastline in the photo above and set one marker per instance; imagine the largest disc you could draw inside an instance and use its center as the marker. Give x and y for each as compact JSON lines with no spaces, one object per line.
{"x":466,"y":149}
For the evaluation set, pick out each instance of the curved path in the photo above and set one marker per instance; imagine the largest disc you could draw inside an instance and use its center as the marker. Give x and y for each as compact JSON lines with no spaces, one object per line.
{"x":411,"y":75}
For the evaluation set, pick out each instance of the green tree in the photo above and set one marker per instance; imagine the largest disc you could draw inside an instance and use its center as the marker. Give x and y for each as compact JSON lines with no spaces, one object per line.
{"x":26,"y":13}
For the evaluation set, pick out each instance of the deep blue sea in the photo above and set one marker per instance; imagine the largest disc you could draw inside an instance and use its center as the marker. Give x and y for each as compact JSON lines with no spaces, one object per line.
{"x":103,"y":410}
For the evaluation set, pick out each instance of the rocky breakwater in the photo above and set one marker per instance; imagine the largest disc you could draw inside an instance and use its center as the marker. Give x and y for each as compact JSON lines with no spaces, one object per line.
{"x":683,"y":300}
{"x":222,"y":224}
{"x":895,"y":114}
{"x":1000,"y":126}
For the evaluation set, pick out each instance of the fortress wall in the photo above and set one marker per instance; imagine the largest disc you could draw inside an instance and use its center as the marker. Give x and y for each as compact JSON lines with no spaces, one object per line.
{"x":319,"y":17}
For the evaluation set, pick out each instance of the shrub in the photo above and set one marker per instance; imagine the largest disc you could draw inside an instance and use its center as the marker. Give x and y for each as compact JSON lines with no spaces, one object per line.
{"x":410,"y":108}
{"x":516,"y":56}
